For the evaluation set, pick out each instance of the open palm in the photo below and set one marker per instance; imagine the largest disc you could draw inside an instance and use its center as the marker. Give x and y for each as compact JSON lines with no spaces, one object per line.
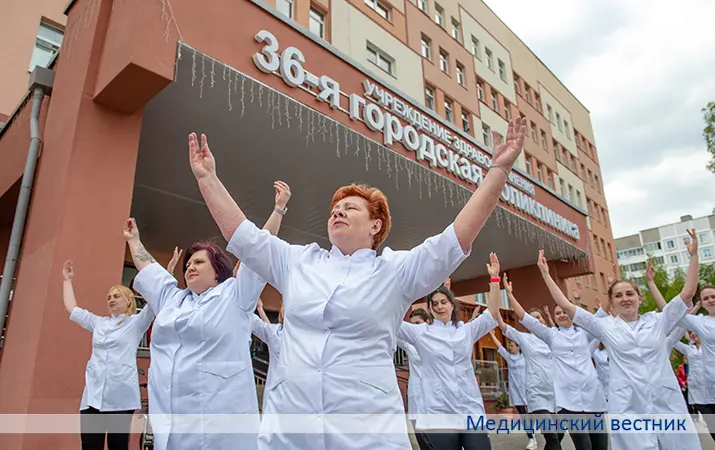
{"x":505,"y":153}
{"x":200,"y":157}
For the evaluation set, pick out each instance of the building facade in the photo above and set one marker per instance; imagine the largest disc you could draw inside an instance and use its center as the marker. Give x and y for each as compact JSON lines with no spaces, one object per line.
{"x":401,"y":95}
{"x":665,"y":246}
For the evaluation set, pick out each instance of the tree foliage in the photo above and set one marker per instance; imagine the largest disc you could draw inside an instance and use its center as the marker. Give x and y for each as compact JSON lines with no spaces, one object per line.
{"x":709,"y":133}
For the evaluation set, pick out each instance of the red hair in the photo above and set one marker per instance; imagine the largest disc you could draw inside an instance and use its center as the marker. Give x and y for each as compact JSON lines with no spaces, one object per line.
{"x":376,"y":205}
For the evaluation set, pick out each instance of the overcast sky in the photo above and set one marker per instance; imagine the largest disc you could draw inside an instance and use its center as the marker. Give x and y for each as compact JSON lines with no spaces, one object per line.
{"x":644,"y":70}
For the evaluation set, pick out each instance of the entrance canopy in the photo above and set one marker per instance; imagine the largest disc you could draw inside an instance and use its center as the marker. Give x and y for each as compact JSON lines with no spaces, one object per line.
{"x":259,"y":135}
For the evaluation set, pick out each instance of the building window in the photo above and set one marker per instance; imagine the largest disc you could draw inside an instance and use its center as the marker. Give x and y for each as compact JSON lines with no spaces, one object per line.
{"x":317,"y":22}
{"x":455,"y":30}
{"x":583,"y":172}
{"x":460,"y":75}
{"x":486,"y":135}
{"x":567,"y":129}
{"x":603,"y":247}
{"x":285,"y":7}
{"x":562,"y":187}
{"x":426,"y":47}
{"x":448,"y":112}
{"x":379,"y":8}
{"x":707,"y":253}
{"x":543,"y":141}
{"x":557,"y":153}
{"x":527,"y":92}
{"x":429,"y":97}
{"x":558,"y":122}
{"x":550,"y":112}
{"x":579,"y":201}
{"x":551,"y":180}
{"x":539,"y":175}
{"x":571,"y":198}
{"x":495,"y":101}
{"x":595,"y":244}
{"x":533,"y":133}
{"x":590,"y":177}
{"x":465,"y":121}
{"x":573,"y":165}
{"x":527,"y":159}
{"x":507,"y":111}
{"x":47,"y":43}
{"x":490,"y":58}
{"x":502,"y":70}
{"x":537,"y":100}
{"x":670,"y":244}
{"x":517,"y":84}
{"x":674,"y":259}
{"x":598,"y":185}
{"x":480,"y":90}
{"x":439,"y":15}
{"x":475,"y":48}
{"x":610,"y":251}
{"x":704,"y":238}
{"x":444,"y":61}
{"x":422,"y":5}
{"x":380,"y":59}
{"x":659,"y":260}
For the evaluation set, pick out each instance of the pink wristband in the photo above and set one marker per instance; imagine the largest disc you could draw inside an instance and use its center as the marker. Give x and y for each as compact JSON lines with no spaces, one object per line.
{"x":494,"y":280}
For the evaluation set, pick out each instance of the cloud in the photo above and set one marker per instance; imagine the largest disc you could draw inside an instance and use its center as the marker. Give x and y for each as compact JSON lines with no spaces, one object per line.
{"x":644,"y":71}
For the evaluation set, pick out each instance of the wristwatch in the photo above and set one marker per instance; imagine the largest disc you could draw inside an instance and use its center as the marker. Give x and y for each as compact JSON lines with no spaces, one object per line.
{"x":282,"y":212}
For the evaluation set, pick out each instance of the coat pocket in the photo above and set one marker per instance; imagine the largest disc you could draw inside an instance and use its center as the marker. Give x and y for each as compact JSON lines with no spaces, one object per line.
{"x":223,"y":369}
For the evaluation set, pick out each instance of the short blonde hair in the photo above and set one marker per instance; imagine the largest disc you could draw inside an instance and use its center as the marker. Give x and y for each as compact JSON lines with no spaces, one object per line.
{"x":128,"y":295}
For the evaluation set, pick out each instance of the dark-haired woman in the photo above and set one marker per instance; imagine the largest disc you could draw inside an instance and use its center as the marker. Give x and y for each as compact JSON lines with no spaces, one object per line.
{"x":642,"y":379}
{"x":201,"y":363}
{"x":449,"y":385}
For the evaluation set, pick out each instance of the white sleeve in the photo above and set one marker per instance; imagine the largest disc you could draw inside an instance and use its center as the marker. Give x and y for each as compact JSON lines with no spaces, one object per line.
{"x":480,"y":326}
{"x":248,"y":288}
{"x":424,"y":268}
{"x":270,"y":257}
{"x":589,"y":322}
{"x":693,"y":323}
{"x":504,"y":354}
{"x":674,"y":337}
{"x":593,"y":345}
{"x":156,"y":285}
{"x":514,"y":335}
{"x":682,"y":348}
{"x":539,"y":330}
{"x":410,"y":332}
{"x":673,"y":314}
{"x":260,"y":328}
{"x":144,"y":319}
{"x":84,"y":318}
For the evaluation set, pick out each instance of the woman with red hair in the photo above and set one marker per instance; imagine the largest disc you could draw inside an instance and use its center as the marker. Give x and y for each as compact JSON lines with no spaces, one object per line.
{"x":200,"y":357}
{"x":343,"y":306}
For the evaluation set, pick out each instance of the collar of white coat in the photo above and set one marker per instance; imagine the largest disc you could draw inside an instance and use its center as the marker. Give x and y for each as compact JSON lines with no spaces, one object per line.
{"x":440,"y":324}
{"x":362,"y":254}
{"x":203,"y":295}
{"x":119,"y":316}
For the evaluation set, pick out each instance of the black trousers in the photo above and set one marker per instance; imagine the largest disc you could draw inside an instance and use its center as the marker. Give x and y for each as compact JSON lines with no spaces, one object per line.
{"x":552,"y":439}
{"x":422,"y":438}
{"x":708,"y":411}
{"x":522,"y":412}
{"x":96,"y":425}
{"x":586,"y":441}
{"x":459,"y":441}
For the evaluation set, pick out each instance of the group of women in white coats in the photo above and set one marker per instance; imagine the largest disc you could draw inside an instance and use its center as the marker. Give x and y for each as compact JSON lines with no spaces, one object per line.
{"x":345,"y":306}
{"x":641,"y":377}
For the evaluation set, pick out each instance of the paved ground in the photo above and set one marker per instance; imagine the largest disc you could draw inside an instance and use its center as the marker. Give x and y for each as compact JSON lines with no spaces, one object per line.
{"x":518,"y":441}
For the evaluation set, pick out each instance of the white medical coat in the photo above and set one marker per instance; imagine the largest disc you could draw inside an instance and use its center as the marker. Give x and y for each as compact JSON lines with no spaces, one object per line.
{"x":449,"y":384}
{"x":200,"y":358}
{"x":415,"y":398}
{"x":517,"y":376}
{"x":342,"y":314}
{"x":642,"y":380}
{"x":704,"y":326}
{"x":600,"y":358}
{"x":576,"y":385}
{"x":111,"y":382}
{"x":270,"y":334}
{"x":539,"y":370}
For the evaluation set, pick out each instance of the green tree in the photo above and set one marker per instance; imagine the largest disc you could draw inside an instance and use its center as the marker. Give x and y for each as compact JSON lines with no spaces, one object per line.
{"x":709,"y":133}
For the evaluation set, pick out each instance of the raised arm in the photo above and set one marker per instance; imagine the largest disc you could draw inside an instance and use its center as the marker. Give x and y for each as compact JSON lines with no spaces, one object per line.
{"x":515,"y":305}
{"x":261,"y":312}
{"x":674,"y":338}
{"x":273,"y":224}
{"x":691,"y":278}
{"x":67,"y":289}
{"x":475,"y":213}
{"x":224,"y":210}
{"x":494,"y":297}
{"x":140,"y":256}
{"x":547,"y":317}
{"x":654,"y":292}
{"x":175,"y":258}
{"x":558,"y":296}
